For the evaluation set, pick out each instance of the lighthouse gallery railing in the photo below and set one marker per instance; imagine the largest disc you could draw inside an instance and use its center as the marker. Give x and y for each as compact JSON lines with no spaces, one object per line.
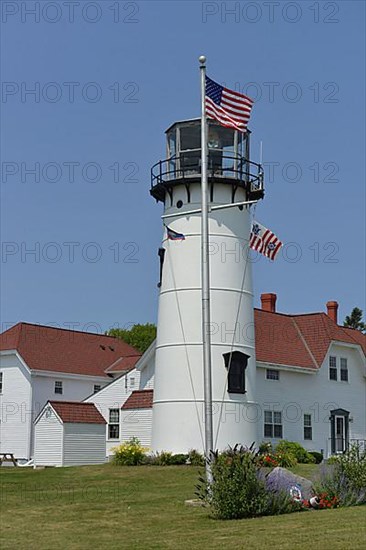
{"x":187,"y":166}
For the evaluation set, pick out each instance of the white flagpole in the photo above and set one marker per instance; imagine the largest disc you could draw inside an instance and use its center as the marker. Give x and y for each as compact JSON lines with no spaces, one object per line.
{"x":205,"y":271}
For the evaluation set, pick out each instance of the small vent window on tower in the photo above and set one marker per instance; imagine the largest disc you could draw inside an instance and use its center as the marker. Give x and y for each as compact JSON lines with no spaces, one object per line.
{"x":236,"y":362}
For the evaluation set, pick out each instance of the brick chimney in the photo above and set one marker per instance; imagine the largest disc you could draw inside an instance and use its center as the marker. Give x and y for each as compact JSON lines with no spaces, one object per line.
{"x":269,"y":302}
{"x":332,"y":311}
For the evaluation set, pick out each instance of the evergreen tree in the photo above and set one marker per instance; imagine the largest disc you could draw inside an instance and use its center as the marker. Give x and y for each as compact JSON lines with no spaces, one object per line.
{"x":355,"y":320}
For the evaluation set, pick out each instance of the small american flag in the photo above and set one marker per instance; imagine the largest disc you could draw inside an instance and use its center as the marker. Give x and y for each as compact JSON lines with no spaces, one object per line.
{"x":229,"y":108}
{"x":264,"y":241}
{"x":173,"y":235}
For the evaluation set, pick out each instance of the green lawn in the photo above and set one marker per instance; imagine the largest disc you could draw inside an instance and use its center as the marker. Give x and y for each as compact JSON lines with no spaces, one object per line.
{"x":110,"y":507}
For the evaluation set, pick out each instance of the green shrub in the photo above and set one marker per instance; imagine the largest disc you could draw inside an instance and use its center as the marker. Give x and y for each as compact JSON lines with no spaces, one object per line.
{"x":130,"y":453}
{"x":148,"y":460}
{"x":238,"y":490}
{"x":265,"y":448}
{"x":235,"y":492}
{"x":195,"y":458}
{"x":344,"y":476}
{"x":302,"y":455}
{"x":162,"y":459}
{"x":281,"y":503}
{"x":179,"y":459}
{"x":285,"y":459}
{"x":352,"y":464}
{"x":318,"y":456}
{"x":165,"y":458}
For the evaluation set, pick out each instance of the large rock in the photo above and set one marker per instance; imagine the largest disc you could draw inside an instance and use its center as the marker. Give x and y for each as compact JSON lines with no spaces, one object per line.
{"x":281,"y":479}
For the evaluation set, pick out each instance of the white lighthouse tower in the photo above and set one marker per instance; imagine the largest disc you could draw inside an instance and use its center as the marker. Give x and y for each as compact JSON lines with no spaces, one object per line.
{"x":178,"y":408}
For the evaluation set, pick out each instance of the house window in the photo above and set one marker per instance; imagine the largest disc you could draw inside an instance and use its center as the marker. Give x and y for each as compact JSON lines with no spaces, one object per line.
{"x":1,"y":382}
{"x":113,"y":424}
{"x":132,"y":382}
{"x":236,"y":363}
{"x":58,"y":387}
{"x":344,"y":369}
{"x":96,"y":388}
{"x":332,"y":368}
{"x":272,"y":374}
{"x":308,"y":430}
{"x":273,"y":424}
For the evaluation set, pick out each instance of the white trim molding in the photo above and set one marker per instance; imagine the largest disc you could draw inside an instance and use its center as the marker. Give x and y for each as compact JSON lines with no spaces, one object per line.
{"x":304,"y":370}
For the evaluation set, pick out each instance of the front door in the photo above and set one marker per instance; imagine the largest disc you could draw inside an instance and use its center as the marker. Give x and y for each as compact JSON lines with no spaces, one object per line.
{"x":339,"y":430}
{"x":340,"y":434}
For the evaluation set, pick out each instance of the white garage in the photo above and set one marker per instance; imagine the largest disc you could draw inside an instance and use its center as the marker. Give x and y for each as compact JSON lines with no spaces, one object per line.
{"x":69,"y":434}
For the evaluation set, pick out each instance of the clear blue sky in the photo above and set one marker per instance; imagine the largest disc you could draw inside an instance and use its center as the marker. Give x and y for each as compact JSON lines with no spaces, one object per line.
{"x":311,"y":121}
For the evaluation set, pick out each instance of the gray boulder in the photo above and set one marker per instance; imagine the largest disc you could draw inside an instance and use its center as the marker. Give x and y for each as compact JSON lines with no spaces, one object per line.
{"x":280,"y":479}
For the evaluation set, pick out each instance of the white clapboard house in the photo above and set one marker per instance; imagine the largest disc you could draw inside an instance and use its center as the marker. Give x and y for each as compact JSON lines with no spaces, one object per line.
{"x":310,"y":382}
{"x":126,"y":407}
{"x":39,"y":363}
{"x":310,"y":385}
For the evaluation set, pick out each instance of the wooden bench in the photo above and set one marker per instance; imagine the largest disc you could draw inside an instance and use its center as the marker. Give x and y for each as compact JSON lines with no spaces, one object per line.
{"x":8,"y":457}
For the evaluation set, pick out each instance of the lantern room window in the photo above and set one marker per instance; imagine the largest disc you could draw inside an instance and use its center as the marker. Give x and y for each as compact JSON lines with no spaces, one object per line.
{"x":228,"y":160}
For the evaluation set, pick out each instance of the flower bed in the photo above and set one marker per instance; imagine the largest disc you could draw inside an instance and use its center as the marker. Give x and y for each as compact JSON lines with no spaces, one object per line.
{"x":241,"y":487}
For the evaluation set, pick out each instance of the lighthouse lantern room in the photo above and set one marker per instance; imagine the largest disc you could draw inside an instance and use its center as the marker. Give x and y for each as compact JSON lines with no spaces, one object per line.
{"x":228,"y":160}
{"x":233,"y":179}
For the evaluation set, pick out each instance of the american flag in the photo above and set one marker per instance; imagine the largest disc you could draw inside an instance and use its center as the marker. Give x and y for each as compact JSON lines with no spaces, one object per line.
{"x":173,"y":235}
{"x":264,"y":241}
{"x":229,"y":108}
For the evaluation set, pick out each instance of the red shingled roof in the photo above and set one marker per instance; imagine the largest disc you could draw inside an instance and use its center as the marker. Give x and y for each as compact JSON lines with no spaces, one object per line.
{"x":294,"y":340}
{"x":124,"y":364}
{"x":357,"y":336}
{"x":62,"y":350}
{"x":299,"y":340}
{"x":81,"y":413}
{"x":139,"y":399}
